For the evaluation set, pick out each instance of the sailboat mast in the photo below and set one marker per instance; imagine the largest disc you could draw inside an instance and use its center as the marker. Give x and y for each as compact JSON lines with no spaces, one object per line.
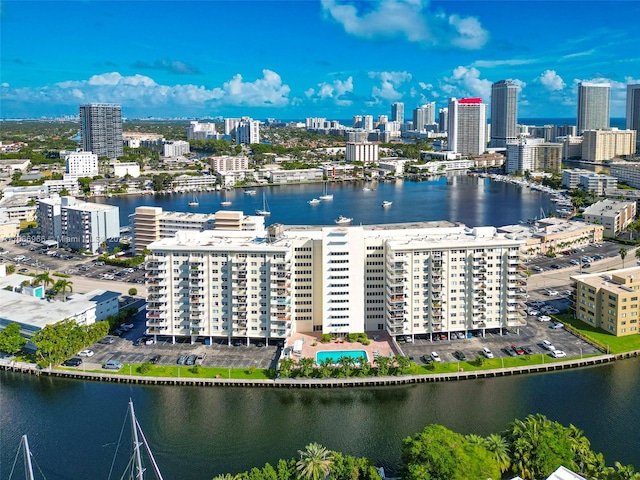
{"x":139,"y":475}
{"x":28,"y":468}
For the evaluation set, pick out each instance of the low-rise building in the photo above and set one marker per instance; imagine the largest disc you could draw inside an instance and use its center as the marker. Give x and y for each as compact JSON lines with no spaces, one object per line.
{"x":571,"y":176}
{"x":175,"y":148}
{"x":230,"y":178}
{"x":122,"y":169}
{"x":392,"y":166}
{"x":607,"y":144}
{"x":228,"y":163}
{"x":364,"y":152}
{"x":597,"y":182}
{"x":627,"y":173}
{"x":441,"y":167}
{"x":609,"y":300}
{"x":9,"y":228}
{"x":194,"y":182}
{"x":613,"y":215}
{"x":294,"y":176}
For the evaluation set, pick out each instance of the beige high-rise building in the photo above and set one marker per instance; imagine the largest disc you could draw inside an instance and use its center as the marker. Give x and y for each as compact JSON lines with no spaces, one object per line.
{"x":610,"y":301}
{"x":603,"y":145}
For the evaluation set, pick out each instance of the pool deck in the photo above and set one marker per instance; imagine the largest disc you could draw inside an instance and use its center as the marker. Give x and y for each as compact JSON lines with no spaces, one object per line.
{"x":383,"y":345}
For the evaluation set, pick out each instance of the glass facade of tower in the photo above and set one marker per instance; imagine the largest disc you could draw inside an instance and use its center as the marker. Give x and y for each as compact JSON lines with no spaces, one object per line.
{"x":593,"y":106}
{"x":504,"y":113}
{"x":101,"y":127}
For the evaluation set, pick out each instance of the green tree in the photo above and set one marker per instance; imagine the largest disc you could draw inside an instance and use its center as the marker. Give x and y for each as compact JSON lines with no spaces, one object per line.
{"x":63,"y":285}
{"x":365,"y":366}
{"x":315,"y":462}
{"x":133,"y":292}
{"x":499,"y":448}
{"x":305,"y":366}
{"x":11,"y":341}
{"x":383,"y":364}
{"x":439,"y":453}
{"x":43,"y":279}
{"x":286,"y":367}
{"x":403,"y":364}
{"x":623,"y":254}
{"x":325,"y":368}
{"x":346,"y":365}
{"x":637,"y":254}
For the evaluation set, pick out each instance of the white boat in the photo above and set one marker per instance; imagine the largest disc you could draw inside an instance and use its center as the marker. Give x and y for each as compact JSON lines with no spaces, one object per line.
{"x":265,"y":207}
{"x":366,"y":189}
{"x":225,"y":202}
{"x":250,"y":192}
{"x":386,"y":204}
{"x":341,"y":220}
{"x":314,"y":201}
{"x":194,"y":202}
{"x":325,"y":195}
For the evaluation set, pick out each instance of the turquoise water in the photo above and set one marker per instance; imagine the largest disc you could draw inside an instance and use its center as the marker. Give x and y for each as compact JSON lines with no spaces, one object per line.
{"x":335,"y":355}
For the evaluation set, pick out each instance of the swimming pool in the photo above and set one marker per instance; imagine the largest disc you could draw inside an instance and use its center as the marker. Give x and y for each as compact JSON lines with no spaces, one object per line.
{"x":335,"y":355}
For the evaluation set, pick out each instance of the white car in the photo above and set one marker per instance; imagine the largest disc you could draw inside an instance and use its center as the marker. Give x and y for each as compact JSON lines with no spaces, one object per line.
{"x":558,"y":354}
{"x":533,"y":313}
{"x":574,"y":262}
{"x":557,"y":325}
{"x":86,"y":353}
{"x":548,"y":345}
{"x":553,"y":293}
{"x":435,"y":357}
{"x":544,"y":318}
{"x":487,"y":353}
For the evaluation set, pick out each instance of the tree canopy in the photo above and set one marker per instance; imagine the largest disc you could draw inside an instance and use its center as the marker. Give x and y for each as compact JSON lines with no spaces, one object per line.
{"x":11,"y":341}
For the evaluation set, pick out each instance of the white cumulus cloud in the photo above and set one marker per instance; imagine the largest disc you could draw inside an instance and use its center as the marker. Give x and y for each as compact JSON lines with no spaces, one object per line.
{"x":338,"y":91}
{"x":409,"y":19}
{"x":266,"y":91}
{"x":551,"y":80}
{"x":389,"y":82}
{"x":466,"y":81}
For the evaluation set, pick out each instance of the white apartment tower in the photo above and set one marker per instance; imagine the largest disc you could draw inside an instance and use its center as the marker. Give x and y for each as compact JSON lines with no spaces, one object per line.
{"x":467,"y":126}
{"x":633,"y":111}
{"x":406,"y":279}
{"x":504,"y":113}
{"x":101,"y":129}
{"x":201,"y":131}
{"x":593,"y":106}
{"x":424,"y":115}
{"x":247,"y":131}
{"x":82,"y":164}
{"x":397,"y":112}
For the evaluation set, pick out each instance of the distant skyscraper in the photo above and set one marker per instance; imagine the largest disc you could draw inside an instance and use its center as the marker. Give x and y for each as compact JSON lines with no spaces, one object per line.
{"x":357,"y":121}
{"x":424,"y":115}
{"x":467,"y":126}
{"x":101,"y":129}
{"x":633,"y":110}
{"x":368,"y":122}
{"x":443,"y":119}
{"x":397,"y":112}
{"x":593,"y":106}
{"x":504,"y":112}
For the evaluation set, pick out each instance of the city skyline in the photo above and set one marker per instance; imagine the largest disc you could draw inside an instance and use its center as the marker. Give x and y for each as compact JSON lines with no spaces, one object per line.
{"x":330,"y":58}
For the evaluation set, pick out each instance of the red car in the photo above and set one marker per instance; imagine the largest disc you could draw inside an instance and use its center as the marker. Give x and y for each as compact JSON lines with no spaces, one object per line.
{"x":518,"y":350}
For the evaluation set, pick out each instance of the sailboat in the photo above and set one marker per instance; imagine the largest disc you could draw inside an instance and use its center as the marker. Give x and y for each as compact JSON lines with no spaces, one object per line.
{"x":225,"y":202}
{"x":194,"y":202}
{"x":325,"y":195}
{"x":265,"y":207}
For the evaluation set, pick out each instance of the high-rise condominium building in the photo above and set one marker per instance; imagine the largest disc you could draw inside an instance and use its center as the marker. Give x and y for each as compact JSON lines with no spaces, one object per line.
{"x":101,"y":129}
{"x":633,"y":111}
{"x":504,"y":112}
{"x":432,"y":278}
{"x":424,"y":115}
{"x":467,"y":126}
{"x":593,"y":106}
{"x":397,"y":112}
{"x":443,"y":119}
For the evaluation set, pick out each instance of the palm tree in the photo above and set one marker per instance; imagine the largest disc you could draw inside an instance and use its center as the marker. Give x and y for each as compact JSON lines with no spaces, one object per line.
{"x":499,"y":447}
{"x":315,"y":462}
{"x":43,"y":279}
{"x":623,"y":254}
{"x":62,"y":286}
{"x":403,"y":363}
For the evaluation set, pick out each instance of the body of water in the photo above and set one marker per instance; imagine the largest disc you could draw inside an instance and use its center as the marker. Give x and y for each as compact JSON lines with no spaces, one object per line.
{"x":197,"y":433}
{"x":473,"y":201}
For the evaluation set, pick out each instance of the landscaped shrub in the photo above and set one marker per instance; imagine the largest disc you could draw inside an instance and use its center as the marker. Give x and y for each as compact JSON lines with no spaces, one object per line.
{"x":326,"y":338}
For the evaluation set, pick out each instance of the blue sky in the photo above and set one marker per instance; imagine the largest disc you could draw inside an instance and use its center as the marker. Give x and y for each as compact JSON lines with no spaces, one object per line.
{"x":294,"y":59}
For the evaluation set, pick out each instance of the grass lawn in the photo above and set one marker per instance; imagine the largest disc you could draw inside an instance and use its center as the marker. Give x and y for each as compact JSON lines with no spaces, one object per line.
{"x":600,"y":337}
{"x":173,"y":371}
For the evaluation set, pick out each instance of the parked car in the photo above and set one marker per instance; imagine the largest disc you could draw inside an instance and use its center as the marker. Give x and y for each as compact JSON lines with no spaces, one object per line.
{"x":199,"y":359}
{"x":155,"y":359}
{"x":126,"y":326}
{"x":574,"y":262}
{"x":556,"y":325}
{"x":533,"y":312}
{"x":518,"y":350}
{"x":510,"y":351}
{"x":435,"y":357}
{"x":86,"y":353}
{"x":552,"y":293}
{"x":459,"y":355}
{"x":426,"y":358}
{"x":106,"y":340}
{"x":181,"y":359}
{"x":238,"y":343}
{"x":558,"y":354}
{"x":113,"y":365}
{"x":544,"y":318}
{"x":191,"y":360}
{"x":527,"y":349}
{"x":548,"y":345}
{"x":117,"y":332}
{"x":72,"y":362}
{"x":487,"y":353}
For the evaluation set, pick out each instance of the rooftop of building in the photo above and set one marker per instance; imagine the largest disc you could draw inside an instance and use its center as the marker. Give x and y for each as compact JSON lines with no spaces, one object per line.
{"x":615,"y":281}
{"x":605,"y":206}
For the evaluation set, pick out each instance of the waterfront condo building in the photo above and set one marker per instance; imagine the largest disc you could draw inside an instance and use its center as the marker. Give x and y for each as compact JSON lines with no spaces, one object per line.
{"x":101,"y":129}
{"x":424,"y":115}
{"x":244,"y":130}
{"x":397,"y":112}
{"x":609,"y":300}
{"x":613,"y":215}
{"x":533,"y":155}
{"x":633,"y":111}
{"x":82,"y":164}
{"x":607,"y":144}
{"x":368,"y":153}
{"x":627,"y":172}
{"x":417,"y":279}
{"x":504,"y":113}
{"x":593,"y":106}
{"x":467,"y":126}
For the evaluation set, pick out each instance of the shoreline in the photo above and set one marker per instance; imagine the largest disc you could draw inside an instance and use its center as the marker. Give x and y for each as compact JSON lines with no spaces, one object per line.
{"x":312,"y":383}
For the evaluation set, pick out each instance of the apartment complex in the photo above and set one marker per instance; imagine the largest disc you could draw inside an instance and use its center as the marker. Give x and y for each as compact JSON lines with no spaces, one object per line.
{"x":76,"y":224}
{"x":504,"y":113}
{"x":151,"y":224}
{"x":593,"y":106}
{"x":627,"y":172}
{"x":366,"y":153}
{"x":633,"y":111}
{"x":202,"y":131}
{"x":244,"y":130}
{"x":82,"y":164}
{"x":424,"y":115}
{"x":533,"y":155}
{"x":597,"y":183}
{"x":609,"y":300}
{"x":467,"y":126}
{"x":606,"y":144}
{"x":415,"y":279}
{"x":397,"y":112}
{"x":227,"y":163}
{"x":175,"y":148}
{"x":614,"y":216}
{"x":101,"y":129}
